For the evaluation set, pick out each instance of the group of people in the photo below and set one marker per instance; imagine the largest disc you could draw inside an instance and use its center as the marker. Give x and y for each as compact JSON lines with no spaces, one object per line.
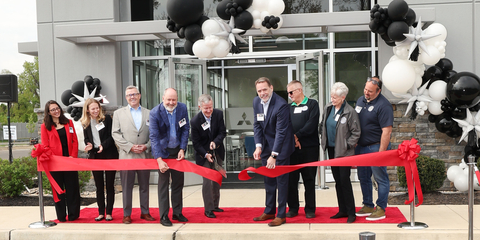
{"x":288,"y":134}
{"x":285,"y":134}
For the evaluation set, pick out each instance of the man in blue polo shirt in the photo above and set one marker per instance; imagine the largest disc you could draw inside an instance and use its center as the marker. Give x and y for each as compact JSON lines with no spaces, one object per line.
{"x":376,"y":121}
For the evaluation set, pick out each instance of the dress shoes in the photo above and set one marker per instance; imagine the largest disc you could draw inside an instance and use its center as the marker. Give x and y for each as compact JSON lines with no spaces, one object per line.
{"x":339,"y":215}
{"x":180,"y":218}
{"x":99,"y":218}
{"x":351,"y":218}
{"x":264,"y":217}
{"x":210,"y":214}
{"x":166,"y":222}
{"x":108,"y":218}
{"x":277,"y":222}
{"x":127,"y":219}
{"x":218,"y":210}
{"x":291,"y":214}
{"x":147,"y":217}
{"x":310,"y":215}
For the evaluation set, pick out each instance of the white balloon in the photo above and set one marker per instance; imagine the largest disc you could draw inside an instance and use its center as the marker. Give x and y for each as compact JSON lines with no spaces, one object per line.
{"x":200,"y":49}
{"x":222,"y":49}
{"x":263,"y":14}
{"x":418,"y":81}
{"x":461,"y":182}
{"x":264,"y":29}
{"x":399,"y":76}
{"x":257,"y":23}
{"x":255,"y":14}
{"x":462,"y":165}
{"x":210,"y":27}
{"x":436,"y":28}
{"x":260,"y":5}
{"x":276,"y":7}
{"x":420,"y":104}
{"x":432,"y":57}
{"x":438,"y":90}
{"x":435,"y":108}
{"x":453,"y":171}
{"x":401,"y":52}
{"x":421,"y":112}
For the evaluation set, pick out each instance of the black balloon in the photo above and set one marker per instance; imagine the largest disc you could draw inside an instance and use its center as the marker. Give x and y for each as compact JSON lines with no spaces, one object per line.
{"x":459,"y":113}
{"x":396,"y":30}
{"x":455,"y":131}
{"x":445,"y":64}
{"x":193,"y":32}
{"x":244,"y":20}
{"x":66,"y":95}
{"x":448,"y":74}
{"x":221,"y":7}
{"x":373,"y":26}
{"x":410,"y":17}
{"x":463,"y":90}
{"x":443,"y":123}
{"x":397,"y":9}
{"x":69,"y":109}
{"x":432,"y":118}
{"x":185,"y":12}
{"x":77,"y":87}
{"x":187,"y":46}
{"x":88,"y":79}
{"x":475,"y":108}
{"x":387,"y":40}
{"x":181,"y":33}
{"x":202,"y":19}
{"x":96,"y":81}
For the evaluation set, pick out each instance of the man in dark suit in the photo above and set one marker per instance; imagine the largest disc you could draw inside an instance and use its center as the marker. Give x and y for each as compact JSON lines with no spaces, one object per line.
{"x":274,"y":143}
{"x":169,"y":138}
{"x":208,"y":132}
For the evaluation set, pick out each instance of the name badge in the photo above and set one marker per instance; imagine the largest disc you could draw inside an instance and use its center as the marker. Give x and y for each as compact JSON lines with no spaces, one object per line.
{"x":205,"y":126}
{"x":182,"y":122}
{"x":343,"y":120}
{"x":358,"y":109}
{"x":71,"y":129}
{"x":370,"y":108}
{"x":99,"y":126}
{"x":298,"y":110}
{"x":260,"y":117}
{"x":337,"y":117}
{"x":148,"y":122}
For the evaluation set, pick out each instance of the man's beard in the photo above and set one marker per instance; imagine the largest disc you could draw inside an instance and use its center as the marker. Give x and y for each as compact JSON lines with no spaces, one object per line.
{"x":170,"y":109}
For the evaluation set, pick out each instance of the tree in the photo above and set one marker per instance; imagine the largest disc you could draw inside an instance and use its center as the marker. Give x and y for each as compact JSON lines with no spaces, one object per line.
{"x":28,"y":95}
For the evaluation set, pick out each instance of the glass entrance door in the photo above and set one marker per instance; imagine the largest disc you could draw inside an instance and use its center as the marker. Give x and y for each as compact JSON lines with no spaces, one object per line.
{"x":310,"y":71}
{"x":188,"y":76}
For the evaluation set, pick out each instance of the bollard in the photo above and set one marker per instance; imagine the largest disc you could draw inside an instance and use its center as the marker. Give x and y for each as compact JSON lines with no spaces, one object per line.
{"x":366,"y":236}
{"x":42,"y":223}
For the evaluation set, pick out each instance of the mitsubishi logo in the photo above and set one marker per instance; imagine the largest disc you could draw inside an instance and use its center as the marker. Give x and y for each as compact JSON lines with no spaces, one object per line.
{"x":244,"y":116}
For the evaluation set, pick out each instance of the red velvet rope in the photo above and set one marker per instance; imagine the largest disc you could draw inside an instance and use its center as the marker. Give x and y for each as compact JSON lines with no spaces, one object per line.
{"x":48,"y":162}
{"x":404,"y":156}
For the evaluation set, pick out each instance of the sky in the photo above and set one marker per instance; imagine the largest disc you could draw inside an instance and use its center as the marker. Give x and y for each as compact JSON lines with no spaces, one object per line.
{"x":18,"y":23}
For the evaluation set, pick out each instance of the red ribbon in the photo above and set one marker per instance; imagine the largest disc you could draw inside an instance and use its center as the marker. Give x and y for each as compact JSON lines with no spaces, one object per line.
{"x":404,"y":156}
{"x":48,"y":162}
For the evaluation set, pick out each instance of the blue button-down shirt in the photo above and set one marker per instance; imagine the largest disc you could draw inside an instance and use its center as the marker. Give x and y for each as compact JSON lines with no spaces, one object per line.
{"x":137,"y":116}
{"x":173,"y":142}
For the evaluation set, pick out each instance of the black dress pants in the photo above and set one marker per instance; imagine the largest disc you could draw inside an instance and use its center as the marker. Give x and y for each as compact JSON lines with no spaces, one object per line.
{"x":70,"y":200}
{"x":107,"y":183}
{"x":343,"y":186}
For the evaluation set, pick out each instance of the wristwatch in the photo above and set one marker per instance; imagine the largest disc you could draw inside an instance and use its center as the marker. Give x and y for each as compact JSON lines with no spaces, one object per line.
{"x":273,"y":156}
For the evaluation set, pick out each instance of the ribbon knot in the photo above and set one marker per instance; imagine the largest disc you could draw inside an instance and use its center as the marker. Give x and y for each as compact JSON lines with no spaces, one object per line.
{"x":409,"y":150}
{"x":41,"y":152}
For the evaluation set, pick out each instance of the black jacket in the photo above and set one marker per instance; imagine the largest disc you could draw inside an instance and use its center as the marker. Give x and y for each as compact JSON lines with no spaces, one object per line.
{"x":109,"y":149}
{"x":201,"y":138}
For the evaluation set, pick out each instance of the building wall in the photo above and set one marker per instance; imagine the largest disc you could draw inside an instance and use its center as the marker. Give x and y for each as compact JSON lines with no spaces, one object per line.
{"x":62,"y":63}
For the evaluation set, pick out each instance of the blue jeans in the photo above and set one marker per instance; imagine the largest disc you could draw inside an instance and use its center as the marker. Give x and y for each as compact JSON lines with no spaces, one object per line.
{"x":380,"y":175}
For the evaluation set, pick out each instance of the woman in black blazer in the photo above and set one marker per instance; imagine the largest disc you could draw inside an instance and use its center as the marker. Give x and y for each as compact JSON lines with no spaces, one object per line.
{"x":100,"y":145}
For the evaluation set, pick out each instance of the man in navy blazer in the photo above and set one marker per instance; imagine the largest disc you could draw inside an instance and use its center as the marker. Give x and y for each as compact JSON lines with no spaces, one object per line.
{"x":208,"y":132}
{"x":274,"y":143}
{"x":169,"y":138}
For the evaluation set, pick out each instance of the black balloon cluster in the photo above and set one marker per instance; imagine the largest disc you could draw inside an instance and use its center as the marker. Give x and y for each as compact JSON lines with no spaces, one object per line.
{"x":236,"y":8}
{"x":271,"y":22}
{"x":442,"y":70}
{"x":232,"y":9}
{"x":78,"y":89}
{"x":393,"y":22}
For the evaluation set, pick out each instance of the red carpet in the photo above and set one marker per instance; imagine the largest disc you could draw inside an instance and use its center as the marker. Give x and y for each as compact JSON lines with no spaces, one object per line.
{"x":236,"y":215}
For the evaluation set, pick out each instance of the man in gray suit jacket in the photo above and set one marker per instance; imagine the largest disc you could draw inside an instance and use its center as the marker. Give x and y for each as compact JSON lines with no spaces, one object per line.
{"x":130,"y":131}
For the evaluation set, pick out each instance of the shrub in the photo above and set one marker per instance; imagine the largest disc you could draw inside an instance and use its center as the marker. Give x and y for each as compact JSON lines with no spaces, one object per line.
{"x":431,"y":172}
{"x":16,"y":176}
{"x":83,"y":178}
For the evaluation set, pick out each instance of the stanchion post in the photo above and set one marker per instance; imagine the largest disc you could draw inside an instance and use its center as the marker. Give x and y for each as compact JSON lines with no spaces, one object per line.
{"x":412,"y":224}
{"x":42,"y":223}
{"x":366,"y":236}
{"x":471,"y":166}
{"x":321,"y":173}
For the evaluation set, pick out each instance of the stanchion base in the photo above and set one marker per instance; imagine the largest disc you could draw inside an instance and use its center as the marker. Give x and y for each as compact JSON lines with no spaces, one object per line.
{"x":45,"y":224}
{"x":321,"y":188}
{"x":416,"y":225}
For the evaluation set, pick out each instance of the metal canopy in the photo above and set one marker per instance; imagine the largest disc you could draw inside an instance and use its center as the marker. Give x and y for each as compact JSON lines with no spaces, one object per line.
{"x":156,"y":30}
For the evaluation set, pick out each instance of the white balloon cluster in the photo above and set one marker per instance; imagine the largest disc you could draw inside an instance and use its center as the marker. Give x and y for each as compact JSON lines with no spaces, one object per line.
{"x":403,"y":76}
{"x":262,"y":8}
{"x":216,"y":42}
{"x":458,"y":174}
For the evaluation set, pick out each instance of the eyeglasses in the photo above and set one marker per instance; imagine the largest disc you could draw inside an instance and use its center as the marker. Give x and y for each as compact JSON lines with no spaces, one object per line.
{"x":291,"y":92}
{"x":375,"y":82}
{"x":132,"y":95}
{"x":54,"y":109}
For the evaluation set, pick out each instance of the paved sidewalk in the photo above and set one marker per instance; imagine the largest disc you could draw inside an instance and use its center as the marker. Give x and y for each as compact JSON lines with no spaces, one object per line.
{"x":444,"y":221}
